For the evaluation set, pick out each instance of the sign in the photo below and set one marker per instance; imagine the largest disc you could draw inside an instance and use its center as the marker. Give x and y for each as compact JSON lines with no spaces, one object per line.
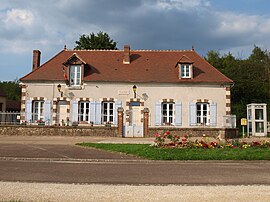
{"x":123,"y":92}
{"x":243,"y":122}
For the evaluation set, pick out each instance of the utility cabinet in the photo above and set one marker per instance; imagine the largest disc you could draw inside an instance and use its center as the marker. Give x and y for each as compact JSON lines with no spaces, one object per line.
{"x":257,"y":119}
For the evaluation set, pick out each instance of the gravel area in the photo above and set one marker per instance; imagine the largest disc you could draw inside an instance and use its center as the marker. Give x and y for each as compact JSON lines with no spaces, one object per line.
{"x":96,"y":192}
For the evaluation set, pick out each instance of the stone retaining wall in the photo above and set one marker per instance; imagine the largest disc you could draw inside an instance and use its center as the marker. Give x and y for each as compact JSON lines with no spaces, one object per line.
{"x":196,"y":132}
{"x":102,"y":131}
{"x":58,"y":131}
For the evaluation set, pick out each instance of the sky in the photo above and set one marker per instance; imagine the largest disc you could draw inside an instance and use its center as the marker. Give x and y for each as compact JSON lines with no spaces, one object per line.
{"x":48,"y":25}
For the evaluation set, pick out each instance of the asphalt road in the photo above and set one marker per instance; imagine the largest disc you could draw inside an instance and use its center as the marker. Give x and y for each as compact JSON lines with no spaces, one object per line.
{"x":73,"y":164}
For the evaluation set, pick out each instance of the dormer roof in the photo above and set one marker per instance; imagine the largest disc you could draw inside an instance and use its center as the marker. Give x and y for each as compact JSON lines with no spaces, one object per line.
{"x":185,"y":60}
{"x":74,"y":59}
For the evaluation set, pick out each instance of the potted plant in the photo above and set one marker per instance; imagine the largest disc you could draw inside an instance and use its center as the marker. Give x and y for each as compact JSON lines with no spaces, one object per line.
{"x":108,"y":124}
{"x":41,"y":122}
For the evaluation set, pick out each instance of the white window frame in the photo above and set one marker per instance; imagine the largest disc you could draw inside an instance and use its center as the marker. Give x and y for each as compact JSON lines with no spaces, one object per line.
{"x":203,"y":113}
{"x":38,"y":110}
{"x":185,"y":71}
{"x":107,"y":111}
{"x":84,"y":111}
{"x":167,"y":117}
{"x":75,"y":75}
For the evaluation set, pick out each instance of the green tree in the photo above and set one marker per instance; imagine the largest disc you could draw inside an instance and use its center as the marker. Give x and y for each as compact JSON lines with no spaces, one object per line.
{"x":251,"y":78}
{"x":99,"y":41}
{"x":12,"y":89}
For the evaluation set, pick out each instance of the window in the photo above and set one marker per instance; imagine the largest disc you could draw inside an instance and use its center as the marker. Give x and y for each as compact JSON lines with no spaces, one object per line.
{"x":75,"y":75}
{"x":167,"y":113}
{"x":202,"y":109}
{"x":84,"y":112}
{"x":38,"y":111}
{"x":185,"y":71}
{"x":1,"y":107}
{"x":107,"y":112}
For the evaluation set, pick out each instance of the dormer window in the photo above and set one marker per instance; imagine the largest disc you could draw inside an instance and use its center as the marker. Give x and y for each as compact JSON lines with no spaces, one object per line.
{"x":74,"y":70}
{"x":185,"y":65}
{"x":185,"y":71}
{"x":75,"y":75}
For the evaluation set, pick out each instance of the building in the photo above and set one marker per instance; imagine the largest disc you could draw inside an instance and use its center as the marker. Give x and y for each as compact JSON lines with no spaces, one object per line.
{"x":87,"y":87}
{"x":3,"y":100}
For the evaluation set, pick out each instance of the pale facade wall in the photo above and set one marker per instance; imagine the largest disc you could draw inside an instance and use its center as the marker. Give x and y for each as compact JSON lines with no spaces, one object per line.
{"x":182,"y":93}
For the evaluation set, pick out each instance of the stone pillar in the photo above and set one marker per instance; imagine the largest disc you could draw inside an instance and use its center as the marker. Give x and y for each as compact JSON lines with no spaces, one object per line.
{"x":120,"y":112}
{"x":145,"y":122}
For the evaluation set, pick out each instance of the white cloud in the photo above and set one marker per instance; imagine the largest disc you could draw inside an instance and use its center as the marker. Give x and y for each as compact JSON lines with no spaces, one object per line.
{"x":182,"y":4}
{"x":19,"y":17}
{"x":231,"y":23}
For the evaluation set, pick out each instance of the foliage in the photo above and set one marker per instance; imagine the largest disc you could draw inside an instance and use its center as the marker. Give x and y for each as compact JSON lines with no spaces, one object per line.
{"x":12,"y":89}
{"x":175,"y":141}
{"x":170,"y":153}
{"x":251,"y":77}
{"x":99,"y":41}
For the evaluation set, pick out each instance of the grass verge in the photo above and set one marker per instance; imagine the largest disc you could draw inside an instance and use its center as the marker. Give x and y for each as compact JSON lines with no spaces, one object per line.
{"x":153,"y":153}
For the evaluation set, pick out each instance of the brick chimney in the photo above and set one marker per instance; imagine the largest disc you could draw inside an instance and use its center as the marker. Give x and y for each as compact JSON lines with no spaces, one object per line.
{"x":36,"y":59}
{"x":126,"y":54}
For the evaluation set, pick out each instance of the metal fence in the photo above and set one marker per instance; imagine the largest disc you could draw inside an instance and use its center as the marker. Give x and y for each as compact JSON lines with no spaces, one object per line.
{"x":10,"y":118}
{"x":14,"y":118}
{"x":229,"y":121}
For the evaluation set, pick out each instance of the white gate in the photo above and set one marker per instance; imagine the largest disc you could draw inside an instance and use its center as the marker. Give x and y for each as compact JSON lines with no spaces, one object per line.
{"x":135,"y":127}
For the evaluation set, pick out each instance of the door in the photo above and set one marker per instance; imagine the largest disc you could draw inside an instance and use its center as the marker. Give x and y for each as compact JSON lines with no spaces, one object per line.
{"x":135,"y":126}
{"x":62,"y":113}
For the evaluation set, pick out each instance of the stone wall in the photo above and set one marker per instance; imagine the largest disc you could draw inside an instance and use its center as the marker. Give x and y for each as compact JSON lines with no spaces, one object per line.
{"x":58,"y":131}
{"x":196,"y":132}
{"x":102,"y":131}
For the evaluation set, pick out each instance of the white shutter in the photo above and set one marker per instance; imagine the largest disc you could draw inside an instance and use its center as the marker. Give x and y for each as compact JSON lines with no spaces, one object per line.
{"x":75,"y":111}
{"x":47,"y":111}
{"x":28,"y":110}
{"x":192,"y":114}
{"x":98,"y":113}
{"x":178,"y":114}
{"x":118,"y":104}
{"x":93,"y":111}
{"x":158,"y":114}
{"x":213,"y":114}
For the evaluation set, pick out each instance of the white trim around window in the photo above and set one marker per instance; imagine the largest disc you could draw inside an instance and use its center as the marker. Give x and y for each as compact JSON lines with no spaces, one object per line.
{"x":107,"y":111}
{"x":38,"y":110}
{"x":84,"y":111}
{"x":167,"y":113}
{"x":185,"y":71}
{"x":203,"y":113}
{"x":75,"y":75}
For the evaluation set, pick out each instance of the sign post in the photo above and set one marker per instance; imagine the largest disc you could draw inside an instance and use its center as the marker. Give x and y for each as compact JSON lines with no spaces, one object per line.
{"x":243,"y":124}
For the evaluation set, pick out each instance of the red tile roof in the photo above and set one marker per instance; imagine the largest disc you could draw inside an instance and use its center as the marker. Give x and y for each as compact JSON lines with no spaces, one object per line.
{"x":145,"y":66}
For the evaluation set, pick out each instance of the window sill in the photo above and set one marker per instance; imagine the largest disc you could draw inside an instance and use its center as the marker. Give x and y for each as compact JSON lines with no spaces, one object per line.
{"x":75,"y":87}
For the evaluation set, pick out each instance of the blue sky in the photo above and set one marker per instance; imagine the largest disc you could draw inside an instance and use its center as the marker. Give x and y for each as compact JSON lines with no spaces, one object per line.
{"x":223,"y":25}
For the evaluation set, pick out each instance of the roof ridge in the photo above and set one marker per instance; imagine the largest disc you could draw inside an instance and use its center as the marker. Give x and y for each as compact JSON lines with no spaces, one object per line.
{"x":92,"y":50}
{"x":121,"y":50}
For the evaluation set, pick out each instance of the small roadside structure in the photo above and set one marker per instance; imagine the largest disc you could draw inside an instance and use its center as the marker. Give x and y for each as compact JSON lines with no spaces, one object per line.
{"x":257,"y":119}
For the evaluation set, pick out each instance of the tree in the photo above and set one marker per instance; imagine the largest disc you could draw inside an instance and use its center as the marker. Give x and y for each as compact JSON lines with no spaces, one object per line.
{"x":251,"y":77}
{"x":99,"y":41}
{"x":12,"y":89}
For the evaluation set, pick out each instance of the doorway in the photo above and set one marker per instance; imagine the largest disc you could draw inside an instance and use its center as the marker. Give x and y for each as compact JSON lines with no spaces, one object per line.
{"x":134,"y":128}
{"x":62,"y":112}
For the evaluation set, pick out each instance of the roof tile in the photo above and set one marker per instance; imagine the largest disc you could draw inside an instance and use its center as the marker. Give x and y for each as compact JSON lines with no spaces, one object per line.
{"x":145,"y":66}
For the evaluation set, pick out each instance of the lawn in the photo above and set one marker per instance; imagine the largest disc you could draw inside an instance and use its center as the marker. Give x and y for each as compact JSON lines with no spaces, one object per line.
{"x":159,"y":153}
